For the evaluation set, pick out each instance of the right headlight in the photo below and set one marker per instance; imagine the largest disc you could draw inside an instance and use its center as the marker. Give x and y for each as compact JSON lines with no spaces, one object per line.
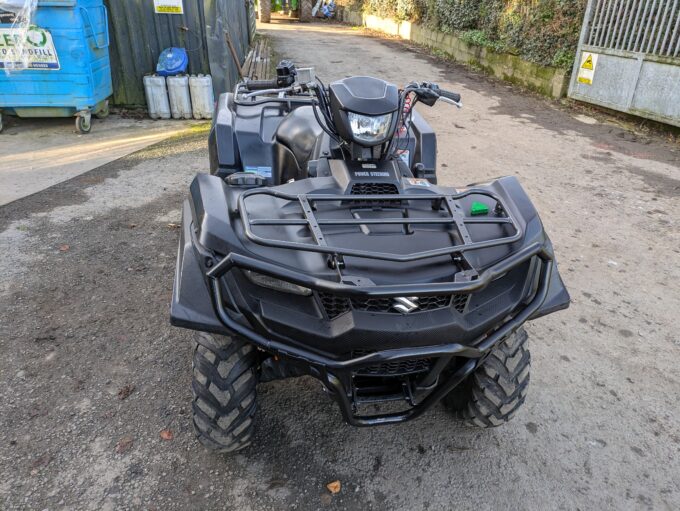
{"x":371,"y":129}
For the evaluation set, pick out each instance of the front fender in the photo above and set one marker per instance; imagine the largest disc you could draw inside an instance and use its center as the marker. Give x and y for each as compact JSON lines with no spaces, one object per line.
{"x":191,"y":305}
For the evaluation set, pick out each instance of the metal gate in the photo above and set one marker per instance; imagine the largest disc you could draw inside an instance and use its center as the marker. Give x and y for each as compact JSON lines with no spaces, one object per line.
{"x":628,"y":58}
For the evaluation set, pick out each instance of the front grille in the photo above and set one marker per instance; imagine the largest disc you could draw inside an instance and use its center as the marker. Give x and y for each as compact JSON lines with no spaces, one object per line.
{"x":374,"y":189}
{"x":425,"y":303}
{"x":400,"y":367}
{"x":335,"y":305}
{"x":460,"y":301}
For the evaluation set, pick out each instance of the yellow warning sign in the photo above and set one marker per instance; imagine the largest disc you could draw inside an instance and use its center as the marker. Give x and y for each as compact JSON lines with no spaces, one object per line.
{"x":586,"y":71}
{"x":168,"y":6}
{"x":588,"y":64}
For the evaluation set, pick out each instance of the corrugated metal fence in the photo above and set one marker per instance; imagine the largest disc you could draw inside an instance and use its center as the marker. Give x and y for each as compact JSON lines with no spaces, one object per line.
{"x":139,"y":35}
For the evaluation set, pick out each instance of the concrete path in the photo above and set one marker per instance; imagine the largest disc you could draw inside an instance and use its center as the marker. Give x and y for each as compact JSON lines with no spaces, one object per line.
{"x":91,"y":371}
{"x":38,"y":153}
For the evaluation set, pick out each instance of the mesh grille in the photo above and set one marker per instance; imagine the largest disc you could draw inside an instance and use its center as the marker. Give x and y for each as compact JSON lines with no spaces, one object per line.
{"x":460,"y":301}
{"x":334,"y":305}
{"x":337,"y":305}
{"x":397,"y":368}
{"x":425,"y":303}
{"x":374,"y":189}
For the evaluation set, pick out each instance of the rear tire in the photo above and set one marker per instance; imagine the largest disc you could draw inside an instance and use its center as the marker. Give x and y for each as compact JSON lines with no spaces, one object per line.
{"x":223,"y":385}
{"x":265,"y":11}
{"x":497,"y":389}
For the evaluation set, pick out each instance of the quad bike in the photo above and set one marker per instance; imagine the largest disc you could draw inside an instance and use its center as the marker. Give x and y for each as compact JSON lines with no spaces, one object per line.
{"x":321,"y":244}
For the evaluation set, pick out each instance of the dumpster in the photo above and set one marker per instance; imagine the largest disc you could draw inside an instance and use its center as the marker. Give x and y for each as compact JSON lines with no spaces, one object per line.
{"x":68,"y":72}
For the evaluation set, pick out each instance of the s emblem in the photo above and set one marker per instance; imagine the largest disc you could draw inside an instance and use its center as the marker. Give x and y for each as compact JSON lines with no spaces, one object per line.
{"x":405,"y":305}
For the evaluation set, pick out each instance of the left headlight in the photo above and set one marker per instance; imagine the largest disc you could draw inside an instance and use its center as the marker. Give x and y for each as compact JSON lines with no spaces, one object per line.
{"x":276,"y":284}
{"x":370,"y":128}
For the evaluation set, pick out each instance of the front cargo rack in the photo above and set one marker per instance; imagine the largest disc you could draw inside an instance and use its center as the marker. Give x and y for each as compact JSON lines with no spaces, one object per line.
{"x":455,"y":218}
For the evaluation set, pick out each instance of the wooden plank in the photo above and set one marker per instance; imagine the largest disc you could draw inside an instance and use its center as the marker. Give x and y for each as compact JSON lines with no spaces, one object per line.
{"x":234,"y":55}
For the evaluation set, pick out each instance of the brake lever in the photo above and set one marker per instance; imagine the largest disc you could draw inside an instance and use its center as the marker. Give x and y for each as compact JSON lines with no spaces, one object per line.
{"x":457,"y":104}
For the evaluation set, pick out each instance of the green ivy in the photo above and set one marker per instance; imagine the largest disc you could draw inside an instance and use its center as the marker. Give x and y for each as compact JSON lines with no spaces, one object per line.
{"x":542,"y":31}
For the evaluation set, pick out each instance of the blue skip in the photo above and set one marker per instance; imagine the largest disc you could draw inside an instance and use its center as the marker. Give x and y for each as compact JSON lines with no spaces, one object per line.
{"x":69,"y":72}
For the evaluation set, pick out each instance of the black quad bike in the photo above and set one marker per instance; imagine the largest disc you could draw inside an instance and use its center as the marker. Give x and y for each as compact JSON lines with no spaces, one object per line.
{"x":320,"y":244}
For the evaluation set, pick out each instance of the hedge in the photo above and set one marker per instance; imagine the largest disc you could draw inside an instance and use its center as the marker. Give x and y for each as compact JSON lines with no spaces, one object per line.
{"x":542,"y":31}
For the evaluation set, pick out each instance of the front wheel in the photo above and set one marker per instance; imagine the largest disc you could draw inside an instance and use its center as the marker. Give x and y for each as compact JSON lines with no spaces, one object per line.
{"x":492,"y":395}
{"x":223,"y":385}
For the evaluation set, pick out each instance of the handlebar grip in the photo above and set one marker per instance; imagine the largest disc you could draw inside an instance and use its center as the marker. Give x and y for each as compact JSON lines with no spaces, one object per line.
{"x":261,"y":84}
{"x":454,"y":96}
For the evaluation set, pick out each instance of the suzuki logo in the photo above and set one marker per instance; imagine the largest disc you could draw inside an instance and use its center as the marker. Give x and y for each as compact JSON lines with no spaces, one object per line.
{"x":405,"y":305}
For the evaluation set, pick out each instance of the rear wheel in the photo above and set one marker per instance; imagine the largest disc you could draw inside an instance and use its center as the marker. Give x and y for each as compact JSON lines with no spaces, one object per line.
{"x":223,"y":386}
{"x":497,"y":389}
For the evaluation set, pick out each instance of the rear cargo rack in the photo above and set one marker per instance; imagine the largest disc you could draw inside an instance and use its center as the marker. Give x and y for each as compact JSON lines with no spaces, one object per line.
{"x":455,"y":218}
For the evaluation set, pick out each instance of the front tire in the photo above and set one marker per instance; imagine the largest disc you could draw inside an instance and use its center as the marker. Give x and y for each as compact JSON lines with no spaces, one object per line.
{"x":223,"y":386}
{"x":497,"y":389}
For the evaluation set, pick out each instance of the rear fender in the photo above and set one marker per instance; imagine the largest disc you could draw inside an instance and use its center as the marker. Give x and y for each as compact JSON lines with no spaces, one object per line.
{"x":222,"y":145}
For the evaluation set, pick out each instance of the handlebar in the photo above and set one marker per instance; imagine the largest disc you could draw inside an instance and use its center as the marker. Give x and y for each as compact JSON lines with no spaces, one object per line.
{"x":453,"y":96}
{"x":261,"y":84}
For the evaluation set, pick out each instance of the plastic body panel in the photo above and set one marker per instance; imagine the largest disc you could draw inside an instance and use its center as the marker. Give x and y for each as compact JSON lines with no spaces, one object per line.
{"x":80,"y":33}
{"x":216,"y":233}
{"x":257,"y":138}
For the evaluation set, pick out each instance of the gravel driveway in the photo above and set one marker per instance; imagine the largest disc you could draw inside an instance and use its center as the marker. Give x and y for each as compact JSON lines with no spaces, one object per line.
{"x":94,"y":394}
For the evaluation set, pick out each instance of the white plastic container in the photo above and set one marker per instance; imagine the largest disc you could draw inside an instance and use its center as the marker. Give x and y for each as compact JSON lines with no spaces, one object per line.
{"x":202,"y":98}
{"x":178,"y":93}
{"x":157,"y":97}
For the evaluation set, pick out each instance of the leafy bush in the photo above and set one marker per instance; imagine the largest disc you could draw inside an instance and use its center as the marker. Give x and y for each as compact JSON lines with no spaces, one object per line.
{"x":541,"y":31}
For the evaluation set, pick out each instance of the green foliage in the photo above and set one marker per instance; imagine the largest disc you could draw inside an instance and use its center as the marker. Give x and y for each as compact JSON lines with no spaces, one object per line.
{"x":480,"y":38}
{"x":541,"y":31}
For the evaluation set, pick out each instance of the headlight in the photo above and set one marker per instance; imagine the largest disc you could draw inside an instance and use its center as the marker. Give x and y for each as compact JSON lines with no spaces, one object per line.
{"x":370,"y":128}
{"x":276,"y":284}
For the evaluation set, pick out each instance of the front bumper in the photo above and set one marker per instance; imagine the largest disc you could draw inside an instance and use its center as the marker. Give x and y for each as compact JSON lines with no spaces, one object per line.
{"x":199,"y":306}
{"x":335,"y":374}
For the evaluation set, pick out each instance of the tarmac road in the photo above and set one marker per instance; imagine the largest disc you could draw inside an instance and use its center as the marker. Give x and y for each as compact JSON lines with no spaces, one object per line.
{"x":91,"y":372}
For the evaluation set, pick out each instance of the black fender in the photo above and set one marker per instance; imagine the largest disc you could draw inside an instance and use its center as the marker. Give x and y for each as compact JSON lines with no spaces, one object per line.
{"x":192,"y":305}
{"x":222,"y":144}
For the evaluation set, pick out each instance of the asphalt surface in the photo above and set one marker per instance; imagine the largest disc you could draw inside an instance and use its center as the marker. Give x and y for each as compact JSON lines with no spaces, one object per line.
{"x":91,"y":372}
